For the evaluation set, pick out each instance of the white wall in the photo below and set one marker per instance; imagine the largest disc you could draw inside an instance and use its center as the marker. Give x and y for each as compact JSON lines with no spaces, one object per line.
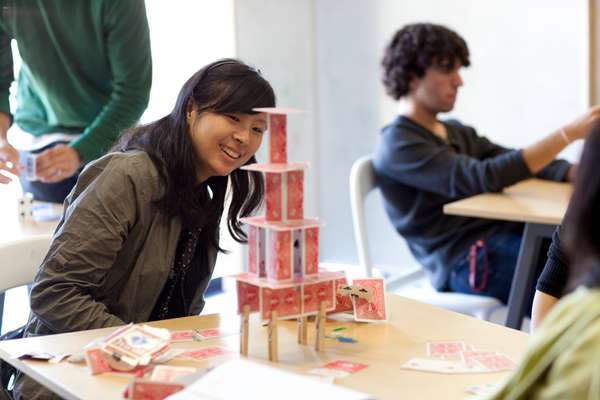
{"x":528,"y":76}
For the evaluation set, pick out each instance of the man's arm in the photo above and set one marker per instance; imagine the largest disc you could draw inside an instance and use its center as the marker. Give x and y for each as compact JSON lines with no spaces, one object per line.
{"x":128,"y":44}
{"x":541,"y":153}
{"x":9,"y":156}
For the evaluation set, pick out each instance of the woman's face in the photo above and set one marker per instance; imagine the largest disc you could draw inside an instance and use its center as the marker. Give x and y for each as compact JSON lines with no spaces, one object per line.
{"x":224,"y":142}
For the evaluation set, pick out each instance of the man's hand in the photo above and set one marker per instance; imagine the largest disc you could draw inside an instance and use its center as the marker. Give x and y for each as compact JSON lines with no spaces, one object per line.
{"x":579,"y":128}
{"x":57,"y":163}
{"x":9,"y":161}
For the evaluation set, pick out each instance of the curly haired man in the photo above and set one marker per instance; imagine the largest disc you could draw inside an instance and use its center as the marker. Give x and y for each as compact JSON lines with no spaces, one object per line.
{"x":423,"y":162}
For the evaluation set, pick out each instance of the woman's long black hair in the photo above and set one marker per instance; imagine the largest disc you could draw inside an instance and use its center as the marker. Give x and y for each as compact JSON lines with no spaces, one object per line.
{"x":224,"y":86}
{"x":582,"y":220}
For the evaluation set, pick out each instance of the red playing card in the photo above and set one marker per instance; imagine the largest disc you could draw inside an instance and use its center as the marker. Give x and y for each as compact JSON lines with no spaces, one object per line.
{"x":469,"y":357}
{"x":273,"y":195}
{"x":96,"y":361}
{"x":342,"y":303}
{"x":347,"y":366}
{"x":204,"y":353}
{"x":298,"y":256}
{"x":184,"y":336}
{"x":285,"y":300}
{"x":247,"y":294}
{"x":210,"y":333}
{"x":315,"y":293}
{"x":262,"y":237}
{"x":496,"y":362}
{"x":280,"y":265}
{"x":444,"y":349}
{"x":277,"y":138}
{"x":167,"y":373}
{"x":295,"y":195}
{"x":311,"y":250}
{"x":148,"y":390}
{"x":253,"y":250}
{"x":373,"y":309}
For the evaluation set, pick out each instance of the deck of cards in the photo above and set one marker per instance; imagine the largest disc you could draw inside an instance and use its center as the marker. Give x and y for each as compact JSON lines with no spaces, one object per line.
{"x":129,"y":348}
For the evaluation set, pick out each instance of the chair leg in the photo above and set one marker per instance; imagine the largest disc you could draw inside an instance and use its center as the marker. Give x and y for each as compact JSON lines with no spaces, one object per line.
{"x":485,"y":314}
{"x":1,"y":310}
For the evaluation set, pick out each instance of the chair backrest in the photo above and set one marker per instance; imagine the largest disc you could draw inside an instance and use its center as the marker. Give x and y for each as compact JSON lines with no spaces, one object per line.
{"x":20,"y":260}
{"x":362,"y":182}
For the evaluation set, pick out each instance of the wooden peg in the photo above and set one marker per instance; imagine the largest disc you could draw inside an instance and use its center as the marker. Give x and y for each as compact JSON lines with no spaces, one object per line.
{"x":244,"y":330}
{"x":302,"y":330}
{"x":272,"y":337}
{"x":320,"y":326}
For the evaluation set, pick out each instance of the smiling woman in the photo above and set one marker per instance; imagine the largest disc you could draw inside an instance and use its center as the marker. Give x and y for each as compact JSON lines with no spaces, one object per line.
{"x":140,"y":232}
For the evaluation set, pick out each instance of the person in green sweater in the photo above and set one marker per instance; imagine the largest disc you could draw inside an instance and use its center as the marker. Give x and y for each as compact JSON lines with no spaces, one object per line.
{"x":85,"y":77}
{"x":562,"y":361}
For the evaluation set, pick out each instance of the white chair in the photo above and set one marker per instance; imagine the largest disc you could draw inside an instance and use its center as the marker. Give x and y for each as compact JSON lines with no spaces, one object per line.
{"x":414,"y":284}
{"x":20,"y":260}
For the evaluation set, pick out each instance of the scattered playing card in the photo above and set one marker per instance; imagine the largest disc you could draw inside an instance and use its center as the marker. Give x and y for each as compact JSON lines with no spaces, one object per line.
{"x":189,"y":335}
{"x":450,"y":349}
{"x":210,"y":333}
{"x":496,"y":362}
{"x":166,"y":373}
{"x":374,"y":308}
{"x":441,"y":366}
{"x":328,"y":372}
{"x":348,"y":366}
{"x":203,"y":353}
{"x":141,"y":389}
{"x":485,"y":389}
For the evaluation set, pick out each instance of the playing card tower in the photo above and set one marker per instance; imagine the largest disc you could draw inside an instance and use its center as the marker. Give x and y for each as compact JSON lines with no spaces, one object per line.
{"x":283,"y":278}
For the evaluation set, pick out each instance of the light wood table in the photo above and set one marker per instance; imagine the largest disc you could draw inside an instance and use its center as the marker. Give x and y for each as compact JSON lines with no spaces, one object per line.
{"x":13,"y":227}
{"x":541,"y":205}
{"x":384,"y":346}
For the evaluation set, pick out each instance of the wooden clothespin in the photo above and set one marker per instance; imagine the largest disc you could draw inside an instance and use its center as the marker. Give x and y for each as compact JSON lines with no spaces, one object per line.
{"x":320,"y":326}
{"x":244,"y":330}
{"x":272,"y":337}
{"x":354,"y":290}
{"x":302,"y":330}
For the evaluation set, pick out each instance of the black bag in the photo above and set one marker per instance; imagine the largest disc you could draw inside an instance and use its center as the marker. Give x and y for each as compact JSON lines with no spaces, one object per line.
{"x":7,"y":371}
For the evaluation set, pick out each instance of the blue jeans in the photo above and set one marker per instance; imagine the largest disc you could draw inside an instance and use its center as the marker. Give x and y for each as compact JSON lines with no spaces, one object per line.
{"x":502,"y":254}
{"x":52,"y":192}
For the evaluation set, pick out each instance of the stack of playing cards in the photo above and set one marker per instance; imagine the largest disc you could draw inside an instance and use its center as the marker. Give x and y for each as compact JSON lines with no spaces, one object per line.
{"x":455,"y":357}
{"x":129,"y":348}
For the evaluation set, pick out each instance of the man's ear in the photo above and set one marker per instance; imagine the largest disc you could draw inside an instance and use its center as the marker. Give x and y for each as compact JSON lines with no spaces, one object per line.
{"x":412,"y":85}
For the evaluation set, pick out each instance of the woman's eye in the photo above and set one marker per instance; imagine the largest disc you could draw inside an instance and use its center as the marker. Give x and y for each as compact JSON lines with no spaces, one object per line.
{"x":258,"y":130}
{"x":233,"y":118}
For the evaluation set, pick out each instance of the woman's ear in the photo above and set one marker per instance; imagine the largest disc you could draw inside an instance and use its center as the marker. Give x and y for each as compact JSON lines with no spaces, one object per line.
{"x":189,"y":110}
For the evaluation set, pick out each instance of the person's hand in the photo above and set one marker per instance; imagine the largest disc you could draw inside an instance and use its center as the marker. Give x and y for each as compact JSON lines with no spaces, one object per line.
{"x":9,"y":161}
{"x":57,"y":163}
{"x":579,"y":128}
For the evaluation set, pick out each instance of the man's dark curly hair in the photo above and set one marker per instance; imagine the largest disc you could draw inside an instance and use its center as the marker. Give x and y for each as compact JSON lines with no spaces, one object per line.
{"x":417,"y":47}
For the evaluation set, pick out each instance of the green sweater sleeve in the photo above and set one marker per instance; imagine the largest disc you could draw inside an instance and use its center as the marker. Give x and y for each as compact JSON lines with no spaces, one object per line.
{"x":6,"y":71}
{"x":128,"y":46}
